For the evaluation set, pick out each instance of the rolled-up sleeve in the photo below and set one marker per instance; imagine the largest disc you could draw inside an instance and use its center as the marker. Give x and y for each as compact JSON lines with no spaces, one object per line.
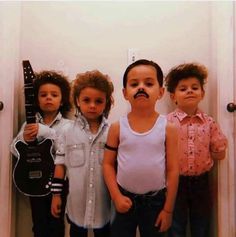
{"x":45,"y":132}
{"x":60,"y":150}
{"x":218,"y":141}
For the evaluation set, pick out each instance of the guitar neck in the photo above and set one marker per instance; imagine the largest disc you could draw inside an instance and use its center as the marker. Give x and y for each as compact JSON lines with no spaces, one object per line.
{"x":29,"y":92}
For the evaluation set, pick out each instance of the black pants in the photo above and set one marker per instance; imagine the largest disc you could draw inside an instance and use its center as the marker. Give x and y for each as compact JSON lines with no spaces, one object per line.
{"x":44,"y":224}
{"x":193,"y":204}
{"x":77,"y":231}
{"x":143,"y":214}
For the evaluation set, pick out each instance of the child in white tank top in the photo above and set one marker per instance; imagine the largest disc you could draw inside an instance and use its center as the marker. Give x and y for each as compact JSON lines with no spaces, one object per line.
{"x":141,"y":158}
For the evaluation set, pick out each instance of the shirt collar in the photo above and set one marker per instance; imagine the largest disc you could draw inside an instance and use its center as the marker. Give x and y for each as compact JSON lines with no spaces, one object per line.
{"x":181,"y":115}
{"x":84,"y":123}
{"x":39,"y":118}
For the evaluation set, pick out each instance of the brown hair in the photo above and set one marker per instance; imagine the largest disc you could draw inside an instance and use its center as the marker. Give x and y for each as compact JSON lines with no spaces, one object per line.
{"x":184,"y":71}
{"x":97,"y":80}
{"x":146,"y":62}
{"x":58,"y":79}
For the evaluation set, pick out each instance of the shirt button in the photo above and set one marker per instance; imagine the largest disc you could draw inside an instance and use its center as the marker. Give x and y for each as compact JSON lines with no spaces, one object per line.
{"x":91,"y":168}
{"x":90,"y":185}
{"x":90,"y":201}
{"x":92,"y":152}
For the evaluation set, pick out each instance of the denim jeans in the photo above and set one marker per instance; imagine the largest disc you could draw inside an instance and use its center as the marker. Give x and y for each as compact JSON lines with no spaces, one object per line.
{"x":142,"y":214}
{"x":193,"y":204}
{"x":77,"y":231}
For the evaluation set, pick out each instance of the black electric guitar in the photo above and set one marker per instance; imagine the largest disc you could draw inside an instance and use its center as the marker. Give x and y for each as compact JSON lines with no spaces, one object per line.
{"x":34,"y":168}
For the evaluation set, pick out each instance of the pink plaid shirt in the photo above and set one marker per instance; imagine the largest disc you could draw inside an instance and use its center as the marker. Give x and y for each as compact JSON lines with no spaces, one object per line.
{"x":198,"y":136}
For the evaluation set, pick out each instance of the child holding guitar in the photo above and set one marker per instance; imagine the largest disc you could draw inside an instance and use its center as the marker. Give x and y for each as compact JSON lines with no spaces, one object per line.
{"x":52,"y":103}
{"x":80,"y":155}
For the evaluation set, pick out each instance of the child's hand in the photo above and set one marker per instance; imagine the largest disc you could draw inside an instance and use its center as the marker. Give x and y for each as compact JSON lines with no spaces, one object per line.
{"x":56,"y":206}
{"x":30,"y":132}
{"x":122,"y":203}
{"x":163,"y":221}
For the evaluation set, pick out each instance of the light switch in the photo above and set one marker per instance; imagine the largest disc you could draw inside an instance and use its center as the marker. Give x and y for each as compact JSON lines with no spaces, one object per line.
{"x":132,"y":55}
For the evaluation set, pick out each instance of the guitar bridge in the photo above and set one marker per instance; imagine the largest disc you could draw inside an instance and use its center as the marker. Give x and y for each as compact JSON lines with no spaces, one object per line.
{"x":34,"y":160}
{"x":36,"y":174}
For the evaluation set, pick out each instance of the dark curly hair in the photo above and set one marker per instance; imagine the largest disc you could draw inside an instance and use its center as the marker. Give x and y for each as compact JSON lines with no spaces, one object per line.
{"x":184,"y":71}
{"x":97,"y":80}
{"x":147,"y":63}
{"x":58,"y":79}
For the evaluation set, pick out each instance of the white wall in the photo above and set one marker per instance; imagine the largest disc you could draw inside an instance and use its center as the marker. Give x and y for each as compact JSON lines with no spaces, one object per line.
{"x":9,"y":72}
{"x":77,"y":36}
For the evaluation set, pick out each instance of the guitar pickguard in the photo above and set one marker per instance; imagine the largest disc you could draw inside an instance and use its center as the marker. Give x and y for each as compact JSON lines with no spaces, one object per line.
{"x":34,"y":168}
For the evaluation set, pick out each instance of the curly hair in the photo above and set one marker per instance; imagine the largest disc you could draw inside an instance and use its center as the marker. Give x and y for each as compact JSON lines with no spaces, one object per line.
{"x":147,"y":63}
{"x":184,"y":71}
{"x":97,"y":80}
{"x":57,"y":79}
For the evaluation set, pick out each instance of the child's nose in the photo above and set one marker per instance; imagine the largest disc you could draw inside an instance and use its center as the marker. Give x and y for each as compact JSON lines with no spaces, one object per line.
{"x":141,"y":87}
{"x":189,"y":90}
{"x":92,"y":104}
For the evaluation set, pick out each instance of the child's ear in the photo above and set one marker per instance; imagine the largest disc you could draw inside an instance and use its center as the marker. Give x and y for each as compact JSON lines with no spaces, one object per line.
{"x":172,"y":96}
{"x":124,"y":93}
{"x":161,"y":93}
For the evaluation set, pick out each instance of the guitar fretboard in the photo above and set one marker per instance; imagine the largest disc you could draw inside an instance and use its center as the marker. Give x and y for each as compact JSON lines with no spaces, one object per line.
{"x":29,"y":92}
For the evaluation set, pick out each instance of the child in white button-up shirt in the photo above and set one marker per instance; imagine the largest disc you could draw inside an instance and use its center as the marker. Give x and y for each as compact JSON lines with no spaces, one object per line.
{"x":80,"y":154}
{"x":52,"y":98}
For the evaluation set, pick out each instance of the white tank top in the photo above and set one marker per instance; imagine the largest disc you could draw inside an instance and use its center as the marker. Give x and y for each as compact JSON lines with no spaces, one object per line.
{"x":141,"y":157}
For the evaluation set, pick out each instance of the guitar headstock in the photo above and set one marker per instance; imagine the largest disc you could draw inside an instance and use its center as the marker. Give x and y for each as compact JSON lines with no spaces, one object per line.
{"x":28,"y":72}
{"x":29,"y":77}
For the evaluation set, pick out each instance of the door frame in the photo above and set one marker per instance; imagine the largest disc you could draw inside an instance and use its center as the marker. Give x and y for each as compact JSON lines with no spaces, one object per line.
{"x":10,"y":15}
{"x":223,"y":63}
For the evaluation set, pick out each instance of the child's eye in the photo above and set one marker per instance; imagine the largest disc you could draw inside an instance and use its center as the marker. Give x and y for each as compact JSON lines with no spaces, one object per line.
{"x":134,"y":84}
{"x":195,"y":88}
{"x":149,"y":84}
{"x":182,"y":89}
{"x":55,"y":95}
{"x":42,"y":94}
{"x":99,"y":101}
{"x":86,"y":100}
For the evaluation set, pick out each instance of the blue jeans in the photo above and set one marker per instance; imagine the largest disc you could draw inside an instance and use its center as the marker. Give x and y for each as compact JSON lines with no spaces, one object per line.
{"x":142,"y":214}
{"x":77,"y":231}
{"x":193,"y":204}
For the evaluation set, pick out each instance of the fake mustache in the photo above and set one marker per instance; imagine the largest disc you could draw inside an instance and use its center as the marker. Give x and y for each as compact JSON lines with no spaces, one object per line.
{"x":143,"y":93}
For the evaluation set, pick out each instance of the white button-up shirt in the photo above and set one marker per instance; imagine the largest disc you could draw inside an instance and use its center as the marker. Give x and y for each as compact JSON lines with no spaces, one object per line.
{"x":88,"y":201}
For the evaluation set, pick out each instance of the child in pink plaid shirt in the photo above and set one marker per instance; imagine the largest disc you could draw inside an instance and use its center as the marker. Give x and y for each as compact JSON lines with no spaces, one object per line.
{"x":201,"y":141}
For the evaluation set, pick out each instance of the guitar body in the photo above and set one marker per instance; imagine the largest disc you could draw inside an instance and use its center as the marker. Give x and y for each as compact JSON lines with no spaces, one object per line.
{"x":34,"y":168}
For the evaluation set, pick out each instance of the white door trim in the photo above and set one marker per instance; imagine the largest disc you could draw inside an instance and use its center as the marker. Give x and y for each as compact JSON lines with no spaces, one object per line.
{"x":223,"y":62}
{"x":9,"y":77}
